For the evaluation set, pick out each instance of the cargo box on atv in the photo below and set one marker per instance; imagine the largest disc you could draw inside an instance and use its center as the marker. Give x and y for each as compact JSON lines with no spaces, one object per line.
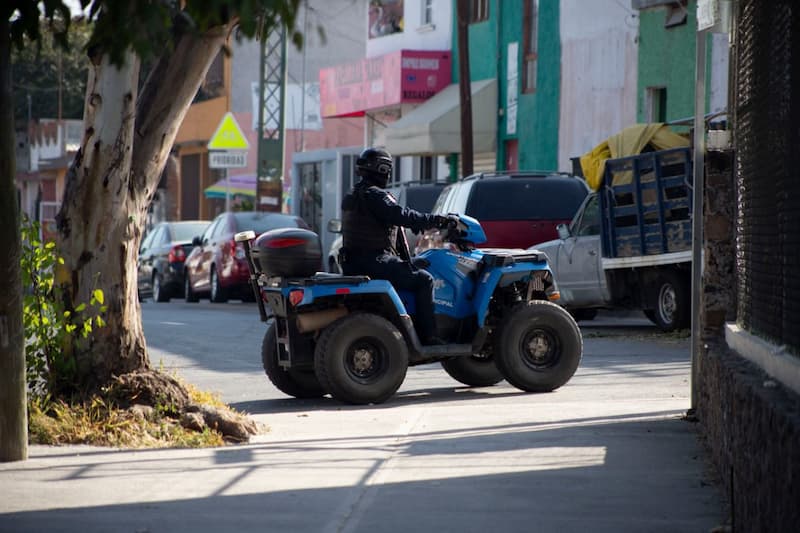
{"x":289,"y":252}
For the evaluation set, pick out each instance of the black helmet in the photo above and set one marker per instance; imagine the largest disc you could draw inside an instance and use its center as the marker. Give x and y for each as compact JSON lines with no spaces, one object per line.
{"x":375,"y":165}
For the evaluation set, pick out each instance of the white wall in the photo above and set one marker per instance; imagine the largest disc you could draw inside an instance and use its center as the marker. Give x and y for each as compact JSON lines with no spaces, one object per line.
{"x":415,"y":36}
{"x":599,"y":53}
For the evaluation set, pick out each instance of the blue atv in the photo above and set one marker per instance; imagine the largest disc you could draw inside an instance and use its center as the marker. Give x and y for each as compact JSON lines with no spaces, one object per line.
{"x":353,"y":337}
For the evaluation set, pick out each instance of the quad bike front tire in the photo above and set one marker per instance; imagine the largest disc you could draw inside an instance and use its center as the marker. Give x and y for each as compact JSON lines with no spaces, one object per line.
{"x":293,"y":382}
{"x":539,"y":347}
{"x":474,"y":370}
{"x":361,"y":358}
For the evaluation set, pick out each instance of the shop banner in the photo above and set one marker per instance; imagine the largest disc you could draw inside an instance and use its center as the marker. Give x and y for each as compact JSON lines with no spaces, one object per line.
{"x":405,"y":76}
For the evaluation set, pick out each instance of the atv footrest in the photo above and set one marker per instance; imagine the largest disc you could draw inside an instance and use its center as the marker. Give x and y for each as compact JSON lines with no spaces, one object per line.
{"x":447,"y":350}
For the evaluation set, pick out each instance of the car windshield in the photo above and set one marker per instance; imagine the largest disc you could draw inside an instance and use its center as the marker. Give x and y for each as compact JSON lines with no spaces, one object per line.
{"x":261,"y":222}
{"x":186,"y":231}
{"x":526,"y":199}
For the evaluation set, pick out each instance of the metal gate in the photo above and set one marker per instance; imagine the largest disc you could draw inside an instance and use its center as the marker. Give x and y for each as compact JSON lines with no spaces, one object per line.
{"x":767,"y":137}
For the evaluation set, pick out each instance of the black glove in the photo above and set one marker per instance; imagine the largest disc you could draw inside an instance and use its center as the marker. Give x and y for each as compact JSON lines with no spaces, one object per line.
{"x":449,"y":221}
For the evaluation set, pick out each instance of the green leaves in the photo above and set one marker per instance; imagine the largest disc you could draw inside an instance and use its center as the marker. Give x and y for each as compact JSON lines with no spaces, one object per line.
{"x":48,"y":325}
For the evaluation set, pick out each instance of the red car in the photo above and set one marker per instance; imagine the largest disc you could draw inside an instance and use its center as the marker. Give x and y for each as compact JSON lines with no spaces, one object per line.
{"x":217,"y":267}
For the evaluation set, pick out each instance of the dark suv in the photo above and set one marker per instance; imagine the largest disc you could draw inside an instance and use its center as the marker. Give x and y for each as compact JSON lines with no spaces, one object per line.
{"x":515,"y":209}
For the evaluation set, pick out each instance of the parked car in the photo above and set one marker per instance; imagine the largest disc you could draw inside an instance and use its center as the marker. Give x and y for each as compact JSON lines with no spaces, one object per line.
{"x":161,"y":258}
{"x":515,"y":209}
{"x":217,"y":267}
{"x":416,"y":195}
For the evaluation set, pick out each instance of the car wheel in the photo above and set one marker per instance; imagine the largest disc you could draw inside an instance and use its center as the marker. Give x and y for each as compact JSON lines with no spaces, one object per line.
{"x":159,"y":294}
{"x":217,"y":292}
{"x":294,"y":382}
{"x":475,"y":370}
{"x":361,"y":359}
{"x":188,"y":294}
{"x":539,"y":347}
{"x":671,"y":309}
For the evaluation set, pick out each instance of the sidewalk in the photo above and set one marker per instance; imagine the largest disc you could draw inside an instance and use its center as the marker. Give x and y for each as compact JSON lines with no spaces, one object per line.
{"x":607,"y":452}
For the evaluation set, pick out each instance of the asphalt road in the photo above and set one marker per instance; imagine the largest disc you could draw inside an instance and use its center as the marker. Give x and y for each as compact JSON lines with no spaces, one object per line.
{"x":607,"y":452}
{"x":217,"y":347}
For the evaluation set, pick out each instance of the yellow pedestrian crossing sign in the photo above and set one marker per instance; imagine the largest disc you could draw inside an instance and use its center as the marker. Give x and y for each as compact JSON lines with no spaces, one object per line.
{"x":228,"y":136}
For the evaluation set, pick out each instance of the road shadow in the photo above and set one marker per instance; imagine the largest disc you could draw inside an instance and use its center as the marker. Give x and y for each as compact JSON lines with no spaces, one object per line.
{"x":604,"y":474}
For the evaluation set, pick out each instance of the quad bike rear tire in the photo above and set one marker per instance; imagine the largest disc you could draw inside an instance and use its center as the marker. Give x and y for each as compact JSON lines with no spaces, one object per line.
{"x":361,"y":358}
{"x":474,"y":371}
{"x":294,"y":382}
{"x":539,"y":347}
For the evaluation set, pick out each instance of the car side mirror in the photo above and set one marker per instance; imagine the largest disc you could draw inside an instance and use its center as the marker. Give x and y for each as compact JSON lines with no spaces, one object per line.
{"x":335,"y":225}
{"x":563,"y":231}
{"x":197,"y":241}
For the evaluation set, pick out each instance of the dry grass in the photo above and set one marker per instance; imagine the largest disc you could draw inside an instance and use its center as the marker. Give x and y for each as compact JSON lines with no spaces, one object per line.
{"x":100,"y":423}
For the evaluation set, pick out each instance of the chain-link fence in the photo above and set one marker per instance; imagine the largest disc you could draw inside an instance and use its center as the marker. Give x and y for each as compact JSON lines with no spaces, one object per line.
{"x":767,"y":137}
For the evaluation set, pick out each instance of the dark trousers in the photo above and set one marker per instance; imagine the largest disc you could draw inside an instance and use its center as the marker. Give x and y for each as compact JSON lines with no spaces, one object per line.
{"x":403,"y":278}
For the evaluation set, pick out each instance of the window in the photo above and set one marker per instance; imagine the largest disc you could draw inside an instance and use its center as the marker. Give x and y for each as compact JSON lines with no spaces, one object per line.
{"x":427,"y":12}
{"x":427,"y":168}
{"x":478,"y":11}
{"x":677,"y":14}
{"x":530,"y":23}
{"x":525,"y":199}
{"x":590,"y":221}
{"x":656,"y":104}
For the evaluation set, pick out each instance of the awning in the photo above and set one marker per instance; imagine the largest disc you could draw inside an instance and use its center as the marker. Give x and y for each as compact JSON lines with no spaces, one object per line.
{"x":435,"y":126}
{"x":242,"y":185}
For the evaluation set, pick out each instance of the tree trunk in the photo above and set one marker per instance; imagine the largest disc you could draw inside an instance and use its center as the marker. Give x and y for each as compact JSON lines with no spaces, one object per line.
{"x":109,"y":188}
{"x":13,"y":413}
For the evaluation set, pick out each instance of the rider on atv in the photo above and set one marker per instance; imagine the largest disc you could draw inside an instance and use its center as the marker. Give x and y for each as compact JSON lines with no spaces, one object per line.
{"x":374,"y":244}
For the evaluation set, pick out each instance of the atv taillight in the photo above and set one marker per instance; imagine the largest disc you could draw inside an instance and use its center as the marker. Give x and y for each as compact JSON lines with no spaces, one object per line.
{"x":176,"y":254}
{"x":284,"y":242}
{"x":296,"y":296}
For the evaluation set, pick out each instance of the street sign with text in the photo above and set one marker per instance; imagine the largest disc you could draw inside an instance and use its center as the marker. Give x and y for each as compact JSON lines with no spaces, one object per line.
{"x":227,"y":159}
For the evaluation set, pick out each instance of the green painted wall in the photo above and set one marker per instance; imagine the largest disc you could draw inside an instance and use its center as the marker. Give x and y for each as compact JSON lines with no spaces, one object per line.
{"x":538,"y":113}
{"x":667,"y":59}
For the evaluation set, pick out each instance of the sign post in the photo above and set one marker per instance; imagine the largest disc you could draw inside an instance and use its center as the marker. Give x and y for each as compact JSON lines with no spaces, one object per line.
{"x":228,"y":149}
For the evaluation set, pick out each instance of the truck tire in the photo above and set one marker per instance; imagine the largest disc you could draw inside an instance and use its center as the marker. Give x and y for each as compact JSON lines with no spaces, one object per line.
{"x":672,"y":304}
{"x":474,"y":371}
{"x":294,"y":382}
{"x":361,"y":358}
{"x":539,"y":347}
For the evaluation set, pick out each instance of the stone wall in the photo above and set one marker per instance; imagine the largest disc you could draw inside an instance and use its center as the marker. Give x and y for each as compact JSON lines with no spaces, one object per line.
{"x":749,"y":422}
{"x":751,"y":427}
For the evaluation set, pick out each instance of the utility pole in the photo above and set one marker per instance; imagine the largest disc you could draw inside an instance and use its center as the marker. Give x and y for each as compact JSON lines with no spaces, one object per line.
{"x":465,"y":93}
{"x":271,"y":95}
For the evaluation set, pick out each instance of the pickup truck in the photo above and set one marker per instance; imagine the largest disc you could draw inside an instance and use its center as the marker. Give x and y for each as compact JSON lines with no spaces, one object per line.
{"x":629,"y":244}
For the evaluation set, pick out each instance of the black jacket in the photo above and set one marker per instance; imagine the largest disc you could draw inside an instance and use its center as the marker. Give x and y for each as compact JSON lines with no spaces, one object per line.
{"x":371,"y":217}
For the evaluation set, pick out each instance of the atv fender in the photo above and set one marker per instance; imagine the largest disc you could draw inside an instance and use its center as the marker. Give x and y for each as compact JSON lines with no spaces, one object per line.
{"x":495,"y":278}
